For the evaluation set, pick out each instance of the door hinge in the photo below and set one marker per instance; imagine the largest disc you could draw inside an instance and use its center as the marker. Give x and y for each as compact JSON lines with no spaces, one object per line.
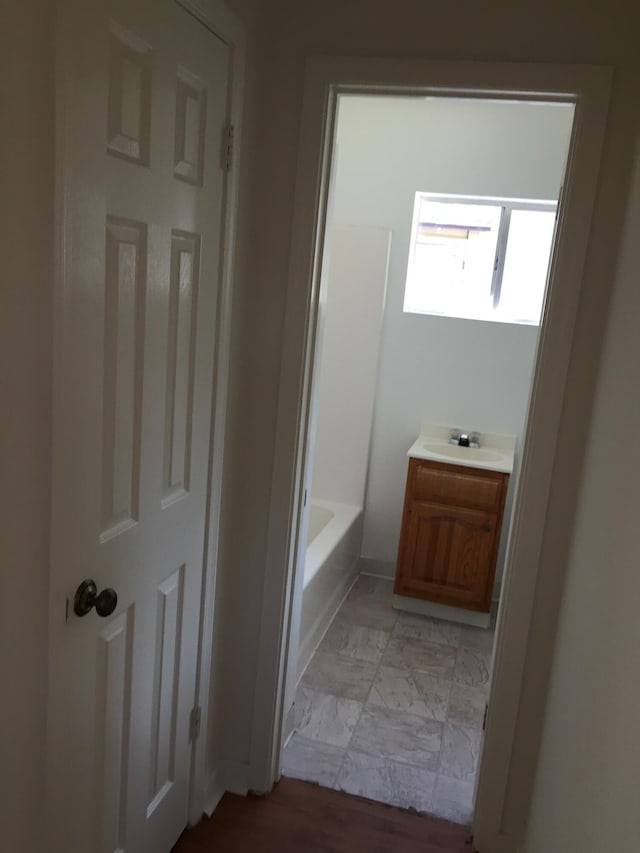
{"x":484,"y":719}
{"x":194,"y":723}
{"x":227,"y":147}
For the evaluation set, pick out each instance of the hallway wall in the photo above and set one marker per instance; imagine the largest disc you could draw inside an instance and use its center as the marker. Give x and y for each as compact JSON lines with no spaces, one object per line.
{"x":26,"y":233}
{"x":542,"y":32}
{"x":586,"y":793}
{"x":576,"y":784}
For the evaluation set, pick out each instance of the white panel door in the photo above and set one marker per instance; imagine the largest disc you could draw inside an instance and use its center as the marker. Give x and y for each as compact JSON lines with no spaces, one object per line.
{"x":146,"y":105}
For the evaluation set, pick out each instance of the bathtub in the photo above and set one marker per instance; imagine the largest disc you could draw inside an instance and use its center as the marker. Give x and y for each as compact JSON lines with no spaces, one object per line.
{"x":334,"y":537}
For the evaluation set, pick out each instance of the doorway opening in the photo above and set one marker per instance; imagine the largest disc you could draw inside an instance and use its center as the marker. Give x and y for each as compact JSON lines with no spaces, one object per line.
{"x":413,"y":336}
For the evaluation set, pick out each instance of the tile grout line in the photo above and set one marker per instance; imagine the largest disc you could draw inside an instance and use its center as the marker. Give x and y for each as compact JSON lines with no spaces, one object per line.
{"x":367,"y":697}
{"x":431,"y":808}
{"x":432,"y":800}
{"x":337,"y":696}
{"x":375,"y":674}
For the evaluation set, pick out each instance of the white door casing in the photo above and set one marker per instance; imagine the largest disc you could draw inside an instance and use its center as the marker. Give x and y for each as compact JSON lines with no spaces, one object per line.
{"x":145,"y":106}
{"x":498,"y":820}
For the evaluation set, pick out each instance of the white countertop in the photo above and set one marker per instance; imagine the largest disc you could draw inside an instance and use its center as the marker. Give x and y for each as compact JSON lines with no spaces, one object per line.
{"x":496,"y":452}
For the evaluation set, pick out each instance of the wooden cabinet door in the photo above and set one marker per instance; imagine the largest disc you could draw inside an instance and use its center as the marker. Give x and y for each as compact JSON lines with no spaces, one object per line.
{"x":448,"y":554}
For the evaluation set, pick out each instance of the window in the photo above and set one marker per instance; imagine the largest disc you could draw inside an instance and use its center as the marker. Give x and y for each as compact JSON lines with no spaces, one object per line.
{"x":479,"y":258}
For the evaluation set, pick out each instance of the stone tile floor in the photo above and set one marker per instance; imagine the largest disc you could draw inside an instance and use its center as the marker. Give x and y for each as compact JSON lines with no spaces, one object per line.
{"x":391,"y":706}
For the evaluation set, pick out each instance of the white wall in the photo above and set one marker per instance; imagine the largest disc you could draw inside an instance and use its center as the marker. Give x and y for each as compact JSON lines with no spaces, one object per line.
{"x":351,"y":323}
{"x":470,"y":374}
{"x":588,"y":780}
{"x":26,"y":239}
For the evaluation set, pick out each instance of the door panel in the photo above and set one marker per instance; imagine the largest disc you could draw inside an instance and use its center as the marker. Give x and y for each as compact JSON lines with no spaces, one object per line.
{"x":146,"y":108}
{"x":181,"y":338}
{"x":125,"y":286}
{"x":113,"y":698}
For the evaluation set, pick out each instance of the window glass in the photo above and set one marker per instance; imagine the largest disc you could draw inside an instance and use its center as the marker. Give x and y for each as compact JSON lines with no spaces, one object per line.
{"x":526,"y":265}
{"x":479,"y":258}
{"x":453,"y":258}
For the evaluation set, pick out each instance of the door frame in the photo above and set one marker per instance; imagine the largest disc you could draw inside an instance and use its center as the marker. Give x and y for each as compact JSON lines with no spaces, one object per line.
{"x":498,"y":822}
{"x":204,"y":788}
{"x":207,"y":787}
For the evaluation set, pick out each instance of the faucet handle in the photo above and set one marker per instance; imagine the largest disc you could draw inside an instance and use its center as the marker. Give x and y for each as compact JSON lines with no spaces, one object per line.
{"x":454,"y":438}
{"x":474,"y":440}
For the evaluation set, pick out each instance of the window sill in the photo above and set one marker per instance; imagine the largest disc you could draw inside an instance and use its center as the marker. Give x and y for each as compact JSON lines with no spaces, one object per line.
{"x":490,"y":317}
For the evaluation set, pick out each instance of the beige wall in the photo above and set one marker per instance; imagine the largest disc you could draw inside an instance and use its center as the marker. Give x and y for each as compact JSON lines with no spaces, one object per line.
{"x":237,"y":613}
{"x":544,"y":31}
{"x":26,"y":223}
{"x":586,"y":796}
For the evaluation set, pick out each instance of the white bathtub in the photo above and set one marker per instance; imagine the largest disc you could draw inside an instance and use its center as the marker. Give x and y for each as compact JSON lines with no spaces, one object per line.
{"x":334,"y":538}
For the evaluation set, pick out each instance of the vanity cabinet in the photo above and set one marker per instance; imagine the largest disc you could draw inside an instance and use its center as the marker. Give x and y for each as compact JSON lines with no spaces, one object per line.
{"x":450,"y":532}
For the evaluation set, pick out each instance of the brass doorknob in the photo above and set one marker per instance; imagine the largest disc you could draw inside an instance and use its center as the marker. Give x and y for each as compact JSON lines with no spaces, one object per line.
{"x":87,"y":597}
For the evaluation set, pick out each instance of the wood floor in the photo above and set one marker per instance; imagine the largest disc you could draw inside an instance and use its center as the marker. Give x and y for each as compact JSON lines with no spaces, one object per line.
{"x":298,"y":817}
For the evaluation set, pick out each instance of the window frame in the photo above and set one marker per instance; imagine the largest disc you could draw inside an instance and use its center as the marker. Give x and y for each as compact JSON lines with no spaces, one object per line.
{"x":508,"y":205}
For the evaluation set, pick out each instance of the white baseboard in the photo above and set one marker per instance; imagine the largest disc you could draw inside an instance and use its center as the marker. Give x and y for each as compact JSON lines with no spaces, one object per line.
{"x":289,"y":724}
{"x":237,"y":778}
{"x":316,"y":633}
{"x":387,"y":569}
{"x":377,"y":568}
{"x":497,"y":589}
{"x":214,"y":791}
{"x":442,"y":611}
{"x":232,"y":777}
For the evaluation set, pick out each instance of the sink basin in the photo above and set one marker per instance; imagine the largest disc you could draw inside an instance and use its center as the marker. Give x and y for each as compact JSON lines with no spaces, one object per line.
{"x":496,"y":452}
{"x":468,"y":454}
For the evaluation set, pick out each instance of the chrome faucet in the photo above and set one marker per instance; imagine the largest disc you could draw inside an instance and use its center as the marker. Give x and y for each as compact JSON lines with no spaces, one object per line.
{"x":464,"y":439}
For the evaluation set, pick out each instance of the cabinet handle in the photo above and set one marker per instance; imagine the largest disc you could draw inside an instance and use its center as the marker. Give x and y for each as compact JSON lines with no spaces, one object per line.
{"x":486,"y":528}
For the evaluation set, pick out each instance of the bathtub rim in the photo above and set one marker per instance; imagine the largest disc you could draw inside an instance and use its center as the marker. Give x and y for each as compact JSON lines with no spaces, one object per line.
{"x":323,"y":544}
